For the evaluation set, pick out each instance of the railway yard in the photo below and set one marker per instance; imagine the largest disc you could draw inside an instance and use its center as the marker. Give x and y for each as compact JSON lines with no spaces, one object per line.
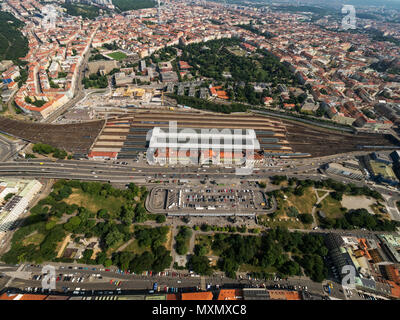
{"x":124,"y":137}
{"x":76,"y":138}
{"x":321,"y":142}
{"x":127,"y":135}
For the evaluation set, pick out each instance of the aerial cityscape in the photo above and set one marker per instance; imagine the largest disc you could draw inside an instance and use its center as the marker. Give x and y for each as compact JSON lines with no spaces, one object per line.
{"x":199,"y":150}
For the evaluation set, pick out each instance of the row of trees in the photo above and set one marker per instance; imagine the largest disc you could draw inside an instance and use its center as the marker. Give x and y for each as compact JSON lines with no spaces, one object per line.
{"x":157,"y":260}
{"x":360,"y":218}
{"x":182,"y":239}
{"x":206,"y":228}
{"x":46,"y":149}
{"x":339,"y":188}
{"x":207,"y":105}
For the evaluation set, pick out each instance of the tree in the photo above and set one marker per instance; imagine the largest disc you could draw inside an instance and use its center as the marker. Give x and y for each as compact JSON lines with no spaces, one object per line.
{"x":229,"y":266}
{"x":306,"y":218}
{"x":87,"y":254}
{"x":101,"y":258}
{"x":50,"y":225}
{"x":181,"y":248}
{"x":262,"y":185}
{"x":162,"y":259}
{"x":161,"y":218}
{"x":127,"y":214}
{"x":125,"y":259}
{"x":9,"y":196}
{"x":140,"y":213}
{"x":142,"y":263}
{"x":314,"y":267}
{"x":112,"y":238}
{"x":200,"y":265}
{"x":337,"y":195}
{"x":181,"y":239}
{"x":290,"y":268}
{"x":103,"y":214}
{"x":200,"y":250}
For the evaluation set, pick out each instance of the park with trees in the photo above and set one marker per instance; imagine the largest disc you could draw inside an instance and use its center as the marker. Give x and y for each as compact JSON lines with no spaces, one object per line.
{"x":346,"y":219}
{"x":62,"y":213}
{"x":95,"y":80}
{"x":274,"y":251}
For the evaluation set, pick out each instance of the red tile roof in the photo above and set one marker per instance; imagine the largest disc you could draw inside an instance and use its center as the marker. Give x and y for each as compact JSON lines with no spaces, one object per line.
{"x":197,"y":296}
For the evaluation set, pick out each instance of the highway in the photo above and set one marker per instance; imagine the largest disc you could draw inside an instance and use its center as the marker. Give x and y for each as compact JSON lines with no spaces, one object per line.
{"x":21,"y":277}
{"x":107,"y":171}
{"x":88,"y":170}
{"x":122,"y":174}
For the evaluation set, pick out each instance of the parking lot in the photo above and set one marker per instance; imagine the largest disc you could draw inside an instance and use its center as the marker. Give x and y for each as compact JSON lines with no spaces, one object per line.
{"x":78,"y":280}
{"x":222,"y":198}
{"x":210,"y":198}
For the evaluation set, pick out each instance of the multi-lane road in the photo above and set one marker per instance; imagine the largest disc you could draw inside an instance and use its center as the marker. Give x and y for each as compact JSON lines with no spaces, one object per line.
{"x":22,"y":277}
{"x":142,"y":173}
{"x":110,"y":172}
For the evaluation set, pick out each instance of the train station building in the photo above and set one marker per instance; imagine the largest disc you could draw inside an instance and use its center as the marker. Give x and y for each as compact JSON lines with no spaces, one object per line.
{"x":173,"y":145}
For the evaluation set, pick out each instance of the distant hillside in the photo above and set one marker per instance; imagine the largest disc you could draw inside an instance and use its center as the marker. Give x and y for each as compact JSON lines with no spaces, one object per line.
{"x":126,"y":5}
{"x":13,"y":44}
{"x":78,"y":9}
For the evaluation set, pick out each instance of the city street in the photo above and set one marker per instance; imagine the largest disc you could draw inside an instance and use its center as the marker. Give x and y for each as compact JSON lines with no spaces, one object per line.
{"x":186,"y":282}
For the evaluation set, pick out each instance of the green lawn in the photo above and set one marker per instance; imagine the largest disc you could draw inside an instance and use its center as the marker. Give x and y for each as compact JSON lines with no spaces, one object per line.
{"x":291,"y":223}
{"x":321,"y":193}
{"x":331,"y":207}
{"x":250,"y":268}
{"x":205,"y":240}
{"x":304,"y":203}
{"x":117,"y":55}
{"x":35,"y":238}
{"x":135,"y":248}
{"x":95,"y":202}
